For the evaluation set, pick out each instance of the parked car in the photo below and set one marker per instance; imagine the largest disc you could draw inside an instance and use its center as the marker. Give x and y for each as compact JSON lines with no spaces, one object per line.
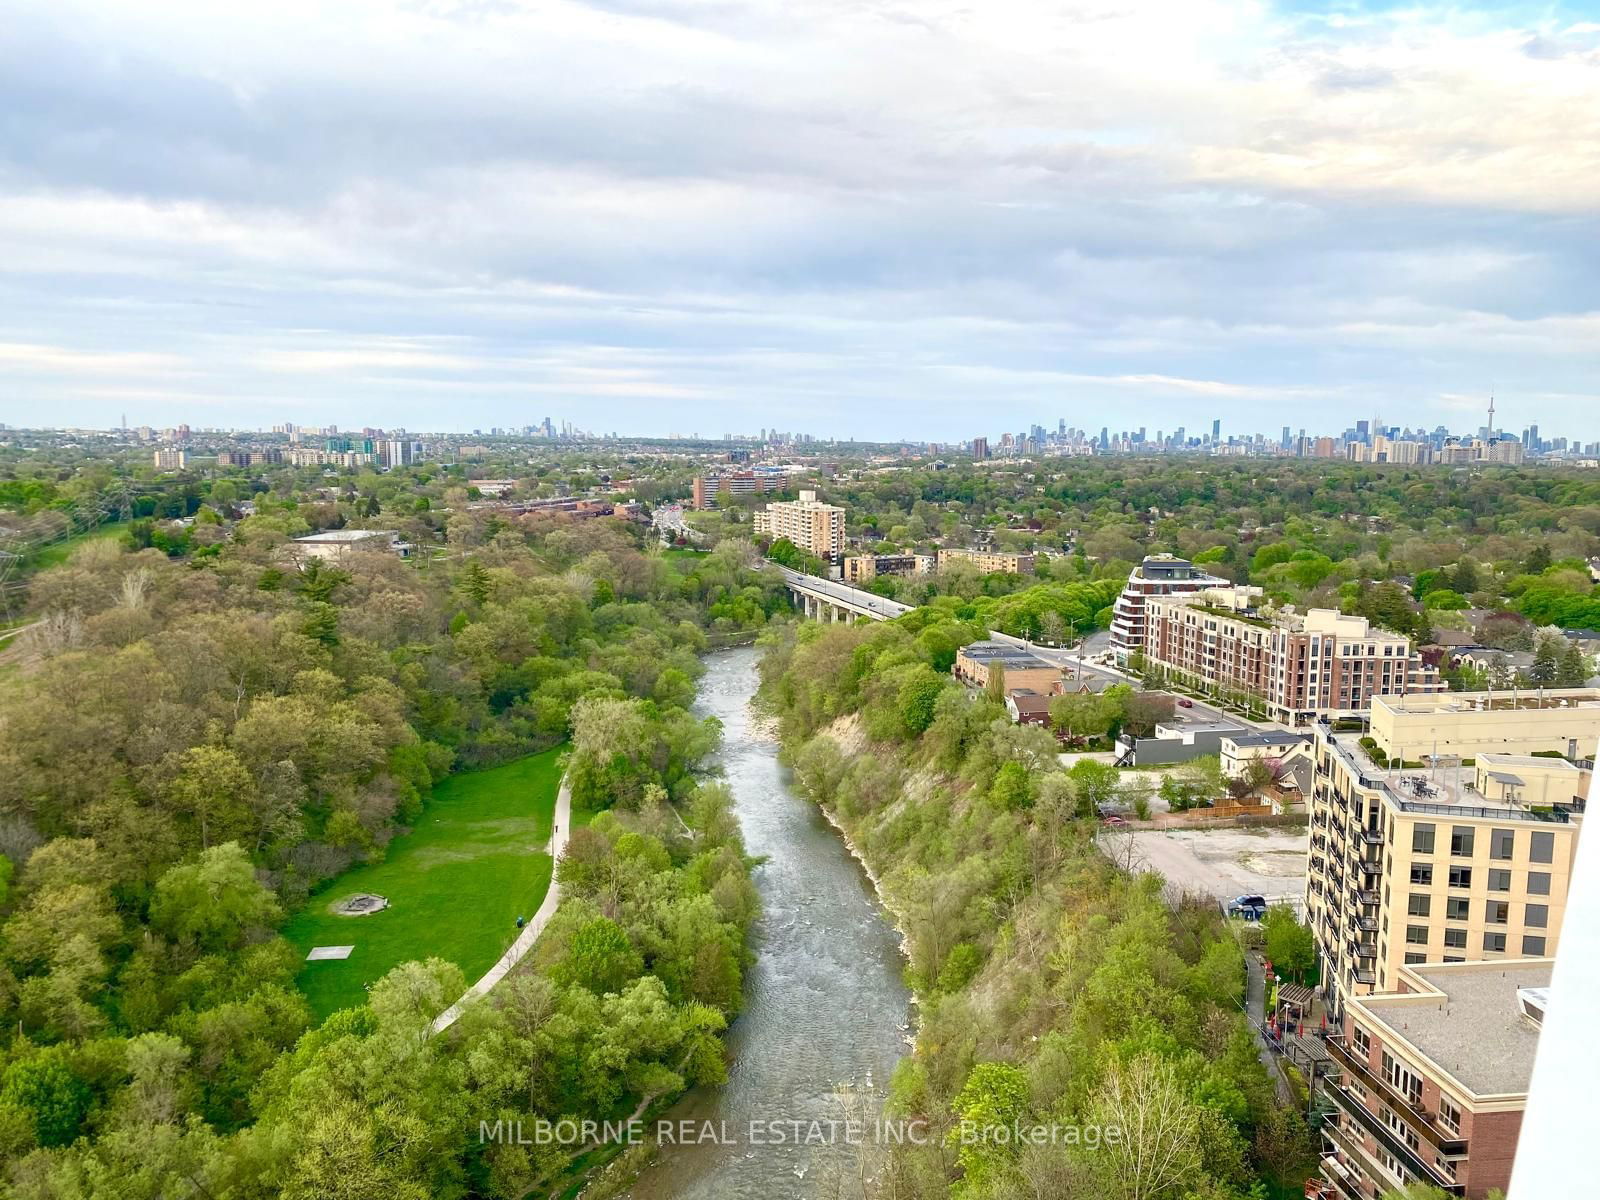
{"x":1185,"y":703}
{"x":1251,"y":908}
{"x":1113,"y":821}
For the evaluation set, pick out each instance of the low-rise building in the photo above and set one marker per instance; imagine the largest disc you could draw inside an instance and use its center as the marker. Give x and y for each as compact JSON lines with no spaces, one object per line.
{"x":1436,"y":859}
{"x":170,"y":460}
{"x":1020,"y":668}
{"x":492,"y":487}
{"x":1292,"y":666}
{"x":1237,"y":749}
{"x":336,"y":543}
{"x":1028,"y":707}
{"x":989,"y":562}
{"x":863,"y":568}
{"x":1157,"y":575}
{"x":1430,"y":1080}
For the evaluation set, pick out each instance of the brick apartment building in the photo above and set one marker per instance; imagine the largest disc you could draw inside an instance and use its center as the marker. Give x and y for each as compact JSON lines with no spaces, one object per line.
{"x":1430,"y":1081}
{"x":863,"y":568}
{"x":1295,"y":666}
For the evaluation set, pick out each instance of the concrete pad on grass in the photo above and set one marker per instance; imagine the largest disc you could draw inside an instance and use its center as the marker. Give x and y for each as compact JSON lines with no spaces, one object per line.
{"x":324,"y":953}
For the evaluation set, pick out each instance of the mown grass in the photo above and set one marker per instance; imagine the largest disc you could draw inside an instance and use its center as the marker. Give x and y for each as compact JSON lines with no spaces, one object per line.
{"x":456,"y":884}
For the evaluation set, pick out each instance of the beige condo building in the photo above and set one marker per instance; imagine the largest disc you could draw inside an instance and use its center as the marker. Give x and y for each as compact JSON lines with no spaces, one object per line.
{"x":815,"y":527}
{"x":1460,"y":856}
{"x":989,"y":562}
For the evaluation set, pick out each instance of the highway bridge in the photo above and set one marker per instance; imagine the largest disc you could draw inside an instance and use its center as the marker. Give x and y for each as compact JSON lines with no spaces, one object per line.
{"x":829,"y":600}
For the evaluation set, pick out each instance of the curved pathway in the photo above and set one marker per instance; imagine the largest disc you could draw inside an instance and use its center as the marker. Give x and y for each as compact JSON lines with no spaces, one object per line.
{"x":530,"y":931}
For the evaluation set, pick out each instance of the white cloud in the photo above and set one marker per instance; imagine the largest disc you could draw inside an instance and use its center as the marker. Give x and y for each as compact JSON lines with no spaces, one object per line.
{"x":753,"y":202}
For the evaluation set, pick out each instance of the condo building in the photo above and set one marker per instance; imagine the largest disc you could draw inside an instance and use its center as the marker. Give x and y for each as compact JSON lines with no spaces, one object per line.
{"x":1157,"y":575}
{"x":1439,"y":857}
{"x":863,"y":568}
{"x":1430,"y":1081}
{"x":989,"y":562}
{"x":1293,"y":666}
{"x":814,"y":527}
{"x":736,"y":483}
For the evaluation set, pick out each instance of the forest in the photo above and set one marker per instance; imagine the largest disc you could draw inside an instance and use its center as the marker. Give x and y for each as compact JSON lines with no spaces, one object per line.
{"x":1054,"y":988}
{"x":192,"y":746}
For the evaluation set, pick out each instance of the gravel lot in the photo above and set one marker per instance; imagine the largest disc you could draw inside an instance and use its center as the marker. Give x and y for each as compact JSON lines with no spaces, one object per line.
{"x":1227,"y":862}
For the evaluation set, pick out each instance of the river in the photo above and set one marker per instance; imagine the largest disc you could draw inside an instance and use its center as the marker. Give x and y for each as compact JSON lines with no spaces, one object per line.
{"x":826,"y":1014}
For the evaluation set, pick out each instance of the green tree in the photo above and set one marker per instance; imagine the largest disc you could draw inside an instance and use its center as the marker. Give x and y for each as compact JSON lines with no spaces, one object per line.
{"x":600,"y":957}
{"x":1289,"y":944}
{"x":1575,"y":667}
{"x":214,"y":902}
{"x":993,"y":1098}
{"x":994,"y":685}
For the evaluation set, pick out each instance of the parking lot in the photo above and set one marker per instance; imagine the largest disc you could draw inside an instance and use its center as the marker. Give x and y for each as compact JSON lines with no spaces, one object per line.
{"x":1225,"y":863}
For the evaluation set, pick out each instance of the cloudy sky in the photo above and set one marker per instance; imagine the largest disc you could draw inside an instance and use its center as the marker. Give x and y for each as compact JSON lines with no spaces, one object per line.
{"x":870,"y":218}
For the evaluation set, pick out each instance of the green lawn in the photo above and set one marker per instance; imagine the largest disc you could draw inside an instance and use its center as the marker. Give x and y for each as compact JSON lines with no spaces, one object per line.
{"x":57,"y":553}
{"x":683,"y":558}
{"x":456,"y":884}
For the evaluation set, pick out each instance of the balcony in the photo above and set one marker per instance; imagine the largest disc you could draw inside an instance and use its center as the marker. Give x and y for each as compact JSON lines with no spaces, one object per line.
{"x":1362,"y":896}
{"x":1338,"y":1182}
{"x":1372,"y":837}
{"x":1348,"y":1141}
{"x":1363,"y":949}
{"x":1367,"y":924}
{"x":1371,"y":866}
{"x":1447,"y":1144}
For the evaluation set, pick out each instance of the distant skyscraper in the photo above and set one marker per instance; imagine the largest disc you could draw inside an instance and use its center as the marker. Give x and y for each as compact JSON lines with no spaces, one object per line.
{"x":980,"y":447}
{"x":1216,"y":430}
{"x":1285,"y":442}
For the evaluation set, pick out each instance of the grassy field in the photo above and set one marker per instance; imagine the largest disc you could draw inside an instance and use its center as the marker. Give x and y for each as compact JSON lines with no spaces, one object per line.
{"x":683,"y":558}
{"x":57,"y":553}
{"x":456,"y":884}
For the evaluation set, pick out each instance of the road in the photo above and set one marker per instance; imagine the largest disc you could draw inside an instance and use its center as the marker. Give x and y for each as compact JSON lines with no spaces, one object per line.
{"x":531,"y":931}
{"x":877,"y":605}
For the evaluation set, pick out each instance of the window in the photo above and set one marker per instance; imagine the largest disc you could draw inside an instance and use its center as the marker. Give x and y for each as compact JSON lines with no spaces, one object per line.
{"x":1461,"y":841}
{"x":1542,"y":847}
{"x":1422,"y":839}
{"x":1538,"y":883}
{"x":1417,"y":935}
{"x":1460,"y":877}
{"x":1449,"y":1115}
{"x":1413,"y":958}
{"x":1360,"y":1040}
{"x":1419,"y":904}
{"x":1455,"y":939}
{"x":1422,"y":874}
{"x":1502,"y":843}
{"x":1532,"y":945}
{"x":1499,"y":879}
{"x":1497,"y":912}
{"x":1449,"y":958}
{"x":1536,"y":916}
{"x":1456,"y":908}
{"x":1494,"y":942}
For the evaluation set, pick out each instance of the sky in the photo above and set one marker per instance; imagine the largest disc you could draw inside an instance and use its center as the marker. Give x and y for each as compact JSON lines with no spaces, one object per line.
{"x":859,"y":218}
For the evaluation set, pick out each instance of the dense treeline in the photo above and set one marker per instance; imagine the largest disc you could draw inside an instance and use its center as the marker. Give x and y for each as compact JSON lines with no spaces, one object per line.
{"x":1055,"y":989}
{"x":189,"y":747}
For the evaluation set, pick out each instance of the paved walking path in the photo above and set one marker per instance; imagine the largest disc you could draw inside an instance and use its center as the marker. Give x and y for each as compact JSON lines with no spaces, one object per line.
{"x":530,"y":931}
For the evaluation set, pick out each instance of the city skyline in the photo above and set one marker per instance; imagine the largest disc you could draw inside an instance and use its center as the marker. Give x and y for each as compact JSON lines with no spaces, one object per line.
{"x":658,"y":215}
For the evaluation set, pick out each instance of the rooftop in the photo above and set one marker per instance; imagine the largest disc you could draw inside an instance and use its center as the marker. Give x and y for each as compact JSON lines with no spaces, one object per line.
{"x":1270,"y":738}
{"x":1463,"y":702}
{"x":1467,"y":1020}
{"x":1444,"y":787}
{"x":348,"y":535}
{"x":1004,"y":654}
